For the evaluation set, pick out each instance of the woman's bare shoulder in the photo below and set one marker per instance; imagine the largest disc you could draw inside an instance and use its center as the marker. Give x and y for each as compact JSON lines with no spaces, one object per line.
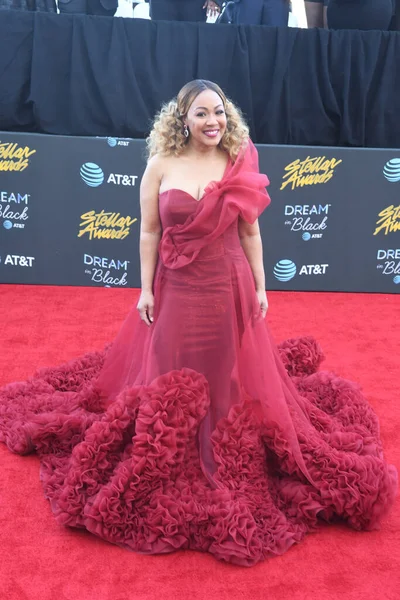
{"x":159,"y":165}
{"x":159,"y":162}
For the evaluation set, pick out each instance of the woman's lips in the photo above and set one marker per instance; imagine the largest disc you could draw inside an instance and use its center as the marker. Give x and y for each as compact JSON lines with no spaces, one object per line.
{"x":211,"y":132}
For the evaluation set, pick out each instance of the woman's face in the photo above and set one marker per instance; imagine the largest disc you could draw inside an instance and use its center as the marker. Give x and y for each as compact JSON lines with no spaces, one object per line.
{"x":206,"y":119}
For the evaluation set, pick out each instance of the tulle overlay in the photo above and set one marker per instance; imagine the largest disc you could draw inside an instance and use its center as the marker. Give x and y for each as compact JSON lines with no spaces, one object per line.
{"x":199,"y":432}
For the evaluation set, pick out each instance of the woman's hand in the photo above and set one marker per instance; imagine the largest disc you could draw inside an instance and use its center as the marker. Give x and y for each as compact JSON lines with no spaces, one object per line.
{"x":145,"y":307}
{"x":262,"y":299}
{"x":212,"y":8}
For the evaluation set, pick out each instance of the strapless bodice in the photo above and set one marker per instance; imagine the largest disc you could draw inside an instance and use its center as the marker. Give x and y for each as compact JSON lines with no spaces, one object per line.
{"x":176,"y":206}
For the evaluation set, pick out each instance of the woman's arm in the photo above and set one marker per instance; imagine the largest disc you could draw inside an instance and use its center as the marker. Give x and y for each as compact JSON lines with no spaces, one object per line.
{"x":250,"y":239}
{"x":150,"y":235}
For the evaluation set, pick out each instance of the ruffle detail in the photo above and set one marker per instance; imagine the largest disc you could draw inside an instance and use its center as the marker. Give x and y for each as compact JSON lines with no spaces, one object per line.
{"x":130,"y":472}
{"x":301,"y":356}
{"x":241,"y":192}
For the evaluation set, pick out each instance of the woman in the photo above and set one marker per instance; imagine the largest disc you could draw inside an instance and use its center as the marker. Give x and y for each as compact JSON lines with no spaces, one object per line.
{"x":192,"y":434}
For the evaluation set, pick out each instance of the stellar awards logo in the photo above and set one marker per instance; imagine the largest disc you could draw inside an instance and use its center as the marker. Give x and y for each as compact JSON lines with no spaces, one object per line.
{"x":388,"y":221}
{"x":14,"y":157}
{"x":105,"y":225}
{"x":310,"y":171}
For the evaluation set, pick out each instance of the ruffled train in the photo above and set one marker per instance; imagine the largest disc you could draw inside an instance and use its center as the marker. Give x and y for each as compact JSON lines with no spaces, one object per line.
{"x":129,"y":471}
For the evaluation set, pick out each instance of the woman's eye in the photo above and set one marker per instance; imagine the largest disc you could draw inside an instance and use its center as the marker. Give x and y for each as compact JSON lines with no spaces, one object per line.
{"x":203,"y":114}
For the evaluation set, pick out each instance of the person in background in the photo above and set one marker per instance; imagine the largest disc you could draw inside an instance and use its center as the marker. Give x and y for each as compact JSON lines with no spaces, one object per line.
{"x":316,"y":13}
{"x":274,"y":13}
{"x":183,"y":10}
{"x":105,"y":8}
{"x":395,"y":24}
{"x":29,"y":5}
{"x":360,"y":14}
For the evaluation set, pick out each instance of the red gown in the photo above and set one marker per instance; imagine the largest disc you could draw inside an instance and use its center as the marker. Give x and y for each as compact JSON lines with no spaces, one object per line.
{"x":199,"y":432}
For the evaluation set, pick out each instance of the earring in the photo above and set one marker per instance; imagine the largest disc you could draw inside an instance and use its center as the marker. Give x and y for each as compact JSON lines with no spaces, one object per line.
{"x":186,"y":131}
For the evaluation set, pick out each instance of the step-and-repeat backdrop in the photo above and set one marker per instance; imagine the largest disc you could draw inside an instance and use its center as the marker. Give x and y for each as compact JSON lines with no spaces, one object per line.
{"x":70,"y":214}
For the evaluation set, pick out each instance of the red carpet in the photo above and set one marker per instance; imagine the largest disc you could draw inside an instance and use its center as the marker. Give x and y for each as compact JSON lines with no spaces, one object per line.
{"x":39,"y":560}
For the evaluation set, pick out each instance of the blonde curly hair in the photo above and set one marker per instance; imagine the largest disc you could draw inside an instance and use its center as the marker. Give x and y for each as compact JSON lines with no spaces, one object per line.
{"x":167,"y":136}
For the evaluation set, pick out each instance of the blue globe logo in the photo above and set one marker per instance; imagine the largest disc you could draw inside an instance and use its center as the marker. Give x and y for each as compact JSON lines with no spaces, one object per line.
{"x":7,"y":225}
{"x":92,"y":174}
{"x":396,"y":279}
{"x":392,"y":170}
{"x":306,"y":236}
{"x":285,"y":270}
{"x":111,"y":142}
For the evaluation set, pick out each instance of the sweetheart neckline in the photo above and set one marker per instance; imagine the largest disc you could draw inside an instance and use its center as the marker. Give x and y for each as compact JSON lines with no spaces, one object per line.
{"x":205,"y":189}
{"x":183,"y":192}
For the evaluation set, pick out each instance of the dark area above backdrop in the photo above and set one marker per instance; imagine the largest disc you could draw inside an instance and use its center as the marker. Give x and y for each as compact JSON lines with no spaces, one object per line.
{"x":82,"y":75}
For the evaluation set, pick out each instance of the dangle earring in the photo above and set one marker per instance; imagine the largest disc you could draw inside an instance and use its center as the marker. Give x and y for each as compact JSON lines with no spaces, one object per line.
{"x":186,"y":131}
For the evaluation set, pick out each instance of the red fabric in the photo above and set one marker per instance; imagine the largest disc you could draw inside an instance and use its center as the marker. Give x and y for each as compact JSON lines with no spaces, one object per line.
{"x":198,"y":432}
{"x":42,"y":560}
{"x":240,"y":193}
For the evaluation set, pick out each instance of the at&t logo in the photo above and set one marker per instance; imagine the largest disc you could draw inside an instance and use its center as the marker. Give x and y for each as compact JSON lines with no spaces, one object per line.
{"x":389,"y":263}
{"x":286,"y":269}
{"x":15,"y":260}
{"x":93,"y":175}
{"x":310,"y":219}
{"x":392,"y":170}
{"x":112,"y":142}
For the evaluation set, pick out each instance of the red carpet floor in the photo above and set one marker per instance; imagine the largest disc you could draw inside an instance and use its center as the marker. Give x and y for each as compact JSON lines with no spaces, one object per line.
{"x":40,"y":560}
